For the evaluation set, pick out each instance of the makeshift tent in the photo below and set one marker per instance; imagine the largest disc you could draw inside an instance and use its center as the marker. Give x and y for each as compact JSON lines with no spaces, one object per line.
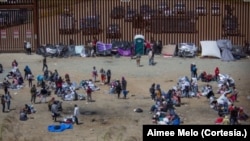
{"x":103,"y":49}
{"x":210,"y":49}
{"x":169,"y":50}
{"x":124,"y":52}
{"x":78,"y":49}
{"x":226,"y":47}
{"x":139,"y":44}
{"x":71,"y":50}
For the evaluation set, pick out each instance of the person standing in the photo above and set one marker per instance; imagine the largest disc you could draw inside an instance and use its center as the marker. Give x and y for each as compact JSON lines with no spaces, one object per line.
{"x":124,"y":87}
{"x":138,"y":60}
{"x":3,"y":103}
{"x":216,"y":73}
{"x":152,"y":91}
{"x":54,"y":111}
{"x":25,"y":46}
{"x":45,"y":66}
{"x":150,"y":62}
{"x":246,"y":46}
{"x":103,"y":75}
{"x":94,"y":73}
{"x":118,"y":88}
{"x":28,"y":48}
{"x":194,"y":71}
{"x":44,"y":94}
{"x":6,"y":86}
{"x":147,"y":47}
{"x":27,"y":71}
{"x":76,"y":114}
{"x":8,"y":100}
{"x":33,"y":91}
{"x":59,"y":84}
{"x":108,"y":76}
{"x":191,"y":70}
{"x":30,"y":79}
{"x":89,"y":94}
{"x":14,"y":64}
{"x":93,"y":52}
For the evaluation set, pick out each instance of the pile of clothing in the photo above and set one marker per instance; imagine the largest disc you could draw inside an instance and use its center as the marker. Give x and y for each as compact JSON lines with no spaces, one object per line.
{"x":88,"y":83}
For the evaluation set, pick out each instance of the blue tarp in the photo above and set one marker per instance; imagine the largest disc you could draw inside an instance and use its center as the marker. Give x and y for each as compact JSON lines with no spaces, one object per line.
{"x":59,"y":128}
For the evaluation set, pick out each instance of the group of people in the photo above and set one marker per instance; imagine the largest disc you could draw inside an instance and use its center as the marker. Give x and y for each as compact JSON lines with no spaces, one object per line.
{"x":116,"y":87}
{"x":163,"y":109}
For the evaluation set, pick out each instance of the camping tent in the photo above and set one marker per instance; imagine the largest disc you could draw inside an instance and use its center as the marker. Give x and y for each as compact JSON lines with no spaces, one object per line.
{"x":169,"y":50}
{"x":226,"y":47}
{"x":139,"y":44}
{"x":210,"y":48}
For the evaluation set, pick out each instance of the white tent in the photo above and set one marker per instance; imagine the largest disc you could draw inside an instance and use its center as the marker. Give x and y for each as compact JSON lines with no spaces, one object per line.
{"x":210,"y":49}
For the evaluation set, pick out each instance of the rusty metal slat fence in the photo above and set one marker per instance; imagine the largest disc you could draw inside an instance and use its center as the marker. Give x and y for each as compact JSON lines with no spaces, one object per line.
{"x":59,"y":21}
{"x":16,"y":25}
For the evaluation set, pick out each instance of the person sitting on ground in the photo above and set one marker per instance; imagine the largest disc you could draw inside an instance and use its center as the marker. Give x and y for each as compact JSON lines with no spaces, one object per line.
{"x":223,"y":88}
{"x":234,"y":94}
{"x":27,"y":109}
{"x":242,"y":115}
{"x":67,"y":78}
{"x":6,"y":83}
{"x":20,"y":80}
{"x":14,"y":83}
{"x":23,"y":116}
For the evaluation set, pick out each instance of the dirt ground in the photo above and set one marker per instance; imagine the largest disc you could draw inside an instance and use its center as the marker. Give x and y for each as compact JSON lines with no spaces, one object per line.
{"x":109,"y":118}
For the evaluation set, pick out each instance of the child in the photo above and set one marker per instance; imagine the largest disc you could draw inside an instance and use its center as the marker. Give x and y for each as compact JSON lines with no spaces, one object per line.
{"x":94,"y":73}
{"x":103,"y":75}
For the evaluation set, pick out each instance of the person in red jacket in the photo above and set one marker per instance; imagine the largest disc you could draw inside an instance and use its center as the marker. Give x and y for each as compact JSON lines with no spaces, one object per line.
{"x":216,"y":73}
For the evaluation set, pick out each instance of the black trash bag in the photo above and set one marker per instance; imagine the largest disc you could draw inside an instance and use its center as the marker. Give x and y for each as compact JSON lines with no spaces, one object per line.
{"x":138,"y":110}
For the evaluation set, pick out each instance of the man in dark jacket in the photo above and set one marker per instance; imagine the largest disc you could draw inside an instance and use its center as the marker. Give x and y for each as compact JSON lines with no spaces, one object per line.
{"x":118,"y":88}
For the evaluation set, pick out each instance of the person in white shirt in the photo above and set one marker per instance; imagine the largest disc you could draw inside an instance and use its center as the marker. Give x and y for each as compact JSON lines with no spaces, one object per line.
{"x":76,"y":114}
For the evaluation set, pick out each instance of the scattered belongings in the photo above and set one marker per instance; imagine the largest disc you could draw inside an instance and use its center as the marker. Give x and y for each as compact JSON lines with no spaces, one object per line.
{"x":138,"y":110}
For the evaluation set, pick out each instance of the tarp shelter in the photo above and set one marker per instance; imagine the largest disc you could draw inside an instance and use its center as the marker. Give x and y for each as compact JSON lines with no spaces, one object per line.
{"x":103,"y":49}
{"x":124,"y":52}
{"x":139,"y":44}
{"x":226,"y":47}
{"x":210,"y":49}
{"x":169,"y":50}
{"x":78,"y":49}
